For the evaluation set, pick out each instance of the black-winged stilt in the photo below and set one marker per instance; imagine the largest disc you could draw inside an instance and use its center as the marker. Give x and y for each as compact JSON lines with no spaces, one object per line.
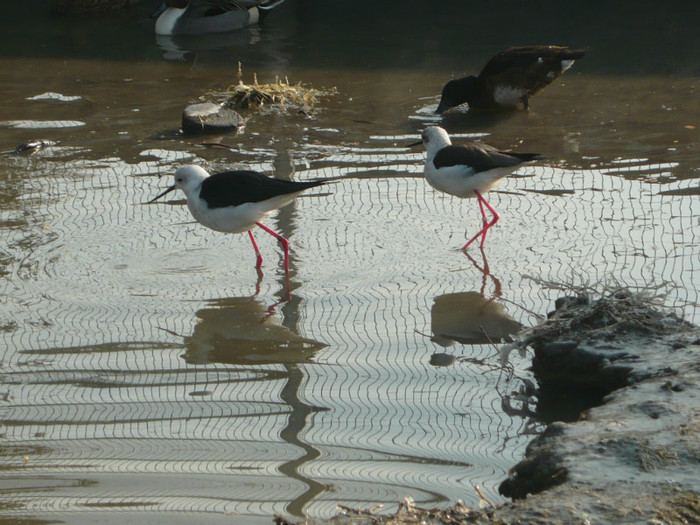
{"x":236,"y":201}
{"x":468,"y":170}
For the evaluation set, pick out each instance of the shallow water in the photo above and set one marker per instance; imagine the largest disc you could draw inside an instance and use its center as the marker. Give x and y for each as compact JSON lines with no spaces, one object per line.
{"x":143,"y":376}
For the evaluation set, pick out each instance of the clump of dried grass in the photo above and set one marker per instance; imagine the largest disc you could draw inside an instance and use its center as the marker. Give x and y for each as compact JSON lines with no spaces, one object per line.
{"x":280,"y":96}
{"x":587,"y":313}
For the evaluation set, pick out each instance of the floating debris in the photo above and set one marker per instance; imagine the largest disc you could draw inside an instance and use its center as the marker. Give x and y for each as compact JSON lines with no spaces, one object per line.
{"x":280,"y":96}
{"x":30,"y":147}
{"x":59,"y":97}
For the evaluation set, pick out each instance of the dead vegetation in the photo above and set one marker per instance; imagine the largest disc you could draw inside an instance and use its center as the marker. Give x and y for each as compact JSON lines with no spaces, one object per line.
{"x":615,"y":312}
{"x":408,"y":513}
{"x":279,"y":96}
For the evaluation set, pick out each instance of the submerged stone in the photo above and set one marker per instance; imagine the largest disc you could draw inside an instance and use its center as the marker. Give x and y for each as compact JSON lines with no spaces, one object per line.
{"x":208,"y":117}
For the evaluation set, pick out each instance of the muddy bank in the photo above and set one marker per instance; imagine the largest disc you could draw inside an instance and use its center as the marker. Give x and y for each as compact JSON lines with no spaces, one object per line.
{"x":625,"y":372}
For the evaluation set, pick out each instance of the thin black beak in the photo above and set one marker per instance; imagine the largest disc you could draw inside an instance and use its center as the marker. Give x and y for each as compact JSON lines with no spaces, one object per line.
{"x":171,"y":188}
{"x":159,"y":11}
{"x":414,"y":144}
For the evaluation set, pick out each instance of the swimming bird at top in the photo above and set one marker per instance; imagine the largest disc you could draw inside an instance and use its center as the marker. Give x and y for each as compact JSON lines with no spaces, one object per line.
{"x":468,"y":170}
{"x":509,"y":78}
{"x":236,"y":201}
{"x":197,"y":17}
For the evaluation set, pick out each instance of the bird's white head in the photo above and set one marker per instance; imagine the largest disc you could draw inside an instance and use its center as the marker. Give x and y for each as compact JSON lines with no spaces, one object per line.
{"x":434,"y":139}
{"x":187,"y":178}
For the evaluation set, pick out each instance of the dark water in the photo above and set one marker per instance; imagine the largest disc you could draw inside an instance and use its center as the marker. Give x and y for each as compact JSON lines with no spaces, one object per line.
{"x":144,"y":379}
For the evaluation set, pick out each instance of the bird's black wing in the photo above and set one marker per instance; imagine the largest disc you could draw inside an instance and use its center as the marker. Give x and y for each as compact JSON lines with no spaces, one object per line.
{"x":524,"y":56}
{"x":233,"y":188}
{"x":479,"y":157}
{"x":529,"y":67}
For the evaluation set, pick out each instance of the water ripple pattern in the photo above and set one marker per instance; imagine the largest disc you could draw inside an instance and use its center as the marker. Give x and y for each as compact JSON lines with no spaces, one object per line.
{"x":141,"y":372}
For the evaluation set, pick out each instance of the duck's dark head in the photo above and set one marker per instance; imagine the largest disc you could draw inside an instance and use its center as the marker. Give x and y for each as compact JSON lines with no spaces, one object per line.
{"x":457,"y":92}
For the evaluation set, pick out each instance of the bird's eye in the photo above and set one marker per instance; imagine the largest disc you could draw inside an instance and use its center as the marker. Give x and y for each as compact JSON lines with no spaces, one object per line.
{"x":179,"y":179}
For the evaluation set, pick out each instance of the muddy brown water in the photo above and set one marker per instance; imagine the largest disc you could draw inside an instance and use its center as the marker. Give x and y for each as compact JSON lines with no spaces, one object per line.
{"x":144,"y":379}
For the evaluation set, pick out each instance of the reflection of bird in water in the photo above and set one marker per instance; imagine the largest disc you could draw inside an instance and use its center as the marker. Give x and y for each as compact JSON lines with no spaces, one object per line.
{"x":509,"y":78}
{"x":230,"y":331}
{"x":197,"y":17}
{"x":486,"y":272}
{"x":468,"y":170}
{"x":176,"y":47}
{"x":236,"y":201}
{"x":469,"y":318}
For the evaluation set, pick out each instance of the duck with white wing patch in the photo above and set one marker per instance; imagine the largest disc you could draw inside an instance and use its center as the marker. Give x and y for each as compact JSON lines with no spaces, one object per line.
{"x":509,"y":78}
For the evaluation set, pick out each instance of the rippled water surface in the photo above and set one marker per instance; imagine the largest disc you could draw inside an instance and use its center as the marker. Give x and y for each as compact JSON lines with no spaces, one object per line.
{"x":148,"y":373}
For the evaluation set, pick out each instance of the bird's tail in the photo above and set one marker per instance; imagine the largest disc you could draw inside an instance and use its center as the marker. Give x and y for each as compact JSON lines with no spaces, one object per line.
{"x":526,"y":157}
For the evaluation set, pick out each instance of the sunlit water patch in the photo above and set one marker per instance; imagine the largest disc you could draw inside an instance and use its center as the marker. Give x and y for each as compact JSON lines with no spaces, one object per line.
{"x":42,"y":124}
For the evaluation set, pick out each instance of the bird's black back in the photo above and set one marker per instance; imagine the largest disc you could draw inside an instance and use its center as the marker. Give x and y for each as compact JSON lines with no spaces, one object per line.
{"x":480,"y":157}
{"x":233,"y":188}
{"x":520,"y":58}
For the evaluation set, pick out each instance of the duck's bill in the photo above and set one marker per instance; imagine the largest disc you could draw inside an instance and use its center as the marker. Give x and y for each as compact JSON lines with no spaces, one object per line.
{"x":154,"y":199}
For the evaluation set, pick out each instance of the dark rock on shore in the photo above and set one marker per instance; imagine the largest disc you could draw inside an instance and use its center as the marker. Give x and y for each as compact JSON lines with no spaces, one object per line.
{"x":629,"y":373}
{"x":636,"y":456}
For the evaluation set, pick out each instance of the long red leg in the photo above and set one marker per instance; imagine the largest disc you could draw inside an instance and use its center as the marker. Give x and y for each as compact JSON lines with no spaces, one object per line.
{"x":484,"y":221}
{"x":284,"y":242}
{"x":483,"y":202}
{"x":483,"y":212}
{"x":258,"y":255}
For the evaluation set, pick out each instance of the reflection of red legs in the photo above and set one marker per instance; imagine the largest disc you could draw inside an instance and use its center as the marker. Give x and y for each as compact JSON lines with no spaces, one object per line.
{"x":271,"y":309}
{"x":284,"y":242}
{"x":259,"y":281}
{"x":258,"y":264}
{"x":486,"y":273}
{"x":258,"y":255}
{"x":486,"y":225}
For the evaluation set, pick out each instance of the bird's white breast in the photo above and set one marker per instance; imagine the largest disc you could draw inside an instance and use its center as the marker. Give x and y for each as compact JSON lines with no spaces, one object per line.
{"x":167,"y":20}
{"x":254,"y":14}
{"x":235,"y":219}
{"x":461,"y":181}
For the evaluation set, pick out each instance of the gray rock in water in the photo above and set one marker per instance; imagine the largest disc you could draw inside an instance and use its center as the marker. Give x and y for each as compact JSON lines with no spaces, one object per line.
{"x":207,"y":117}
